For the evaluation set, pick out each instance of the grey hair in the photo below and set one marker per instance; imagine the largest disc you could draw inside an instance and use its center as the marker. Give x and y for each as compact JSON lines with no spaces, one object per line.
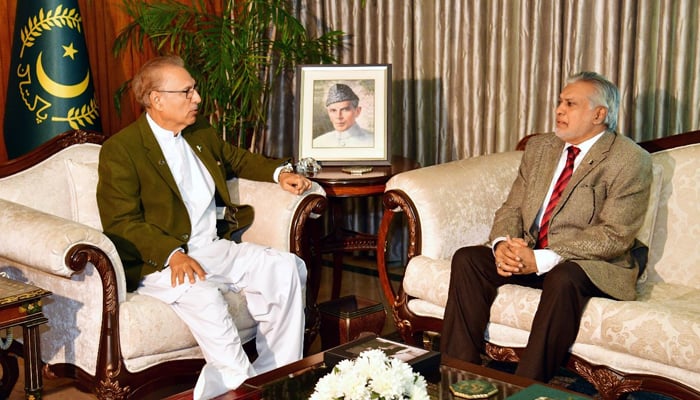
{"x":606,"y":95}
{"x":149,"y":77}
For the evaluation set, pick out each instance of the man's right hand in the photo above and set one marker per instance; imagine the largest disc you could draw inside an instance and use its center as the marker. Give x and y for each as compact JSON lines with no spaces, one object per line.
{"x":181,"y":266}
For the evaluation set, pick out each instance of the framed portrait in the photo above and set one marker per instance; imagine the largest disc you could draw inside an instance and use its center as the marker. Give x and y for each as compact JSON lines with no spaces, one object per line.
{"x":343,"y":114}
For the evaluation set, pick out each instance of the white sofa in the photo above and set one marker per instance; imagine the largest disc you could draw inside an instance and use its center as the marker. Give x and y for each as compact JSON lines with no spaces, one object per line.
{"x":651,"y":344}
{"x":117,"y":344}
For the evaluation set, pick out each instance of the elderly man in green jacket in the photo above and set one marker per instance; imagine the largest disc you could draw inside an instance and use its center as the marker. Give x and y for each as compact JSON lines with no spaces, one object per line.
{"x":164,"y":203}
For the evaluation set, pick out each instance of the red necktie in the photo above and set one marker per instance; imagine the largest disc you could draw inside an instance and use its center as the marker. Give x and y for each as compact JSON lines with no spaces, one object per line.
{"x":559,"y":187}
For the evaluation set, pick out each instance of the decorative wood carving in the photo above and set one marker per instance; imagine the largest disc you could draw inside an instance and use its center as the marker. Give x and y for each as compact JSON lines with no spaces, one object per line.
{"x":111,"y":390}
{"x":499,"y":353}
{"x":609,"y":384}
{"x":302,"y":243}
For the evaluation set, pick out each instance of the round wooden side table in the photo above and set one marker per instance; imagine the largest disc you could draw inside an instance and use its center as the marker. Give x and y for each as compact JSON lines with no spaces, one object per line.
{"x":341,"y":185}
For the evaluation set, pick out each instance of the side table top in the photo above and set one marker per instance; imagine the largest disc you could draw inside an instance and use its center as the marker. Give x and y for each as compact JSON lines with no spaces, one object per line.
{"x":12,"y":291}
{"x":337,"y":183}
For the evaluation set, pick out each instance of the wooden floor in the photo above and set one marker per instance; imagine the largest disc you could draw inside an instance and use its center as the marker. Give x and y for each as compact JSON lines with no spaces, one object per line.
{"x":358,"y":281}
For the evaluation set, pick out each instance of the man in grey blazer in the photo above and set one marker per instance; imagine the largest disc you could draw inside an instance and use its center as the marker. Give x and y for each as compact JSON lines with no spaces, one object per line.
{"x":575,"y":248}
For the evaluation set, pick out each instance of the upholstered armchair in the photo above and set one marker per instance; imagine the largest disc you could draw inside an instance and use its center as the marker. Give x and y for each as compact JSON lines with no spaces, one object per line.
{"x":116,"y":344}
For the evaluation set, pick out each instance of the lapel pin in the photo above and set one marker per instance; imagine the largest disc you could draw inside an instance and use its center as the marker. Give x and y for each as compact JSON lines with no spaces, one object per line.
{"x":199,"y":148}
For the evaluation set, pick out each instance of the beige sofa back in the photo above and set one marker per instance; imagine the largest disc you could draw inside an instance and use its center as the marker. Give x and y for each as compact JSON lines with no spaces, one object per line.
{"x":456,"y":200}
{"x":673,"y":255}
{"x":49,"y":186}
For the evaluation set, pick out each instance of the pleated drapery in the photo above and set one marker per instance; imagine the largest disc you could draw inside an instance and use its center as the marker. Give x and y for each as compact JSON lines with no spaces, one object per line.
{"x":472,"y":77}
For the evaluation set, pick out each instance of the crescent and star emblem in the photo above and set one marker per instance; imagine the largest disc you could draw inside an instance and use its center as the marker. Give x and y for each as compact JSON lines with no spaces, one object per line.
{"x":58,"y":89}
{"x":51,"y":89}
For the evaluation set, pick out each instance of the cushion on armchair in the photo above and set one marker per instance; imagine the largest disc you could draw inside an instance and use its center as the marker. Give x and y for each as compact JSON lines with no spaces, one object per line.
{"x":82,"y":187}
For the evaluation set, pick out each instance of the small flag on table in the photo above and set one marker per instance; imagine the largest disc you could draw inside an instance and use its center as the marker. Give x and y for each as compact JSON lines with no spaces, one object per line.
{"x":50,"y":89}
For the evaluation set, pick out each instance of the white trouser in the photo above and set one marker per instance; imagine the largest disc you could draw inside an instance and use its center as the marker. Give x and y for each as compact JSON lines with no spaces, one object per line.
{"x":273,"y":283}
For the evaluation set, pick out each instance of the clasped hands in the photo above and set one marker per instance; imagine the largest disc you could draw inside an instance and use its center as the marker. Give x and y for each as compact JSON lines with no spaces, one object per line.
{"x":514,"y":257}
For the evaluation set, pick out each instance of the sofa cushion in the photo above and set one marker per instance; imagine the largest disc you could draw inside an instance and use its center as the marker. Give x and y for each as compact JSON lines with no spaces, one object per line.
{"x":664,"y":328}
{"x":82,"y":179}
{"x":142,"y":334}
{"x":662,"y":325}
{"x":673,"y":255}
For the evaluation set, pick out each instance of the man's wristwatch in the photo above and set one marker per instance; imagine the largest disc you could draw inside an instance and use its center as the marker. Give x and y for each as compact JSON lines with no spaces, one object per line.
{"x":288,"y":167}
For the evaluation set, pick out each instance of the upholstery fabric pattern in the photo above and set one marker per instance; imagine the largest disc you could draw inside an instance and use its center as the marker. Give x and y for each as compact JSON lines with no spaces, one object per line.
{"x":433,"y":290}
{"x":74,"y":312}
{"x":674,"y":243}
{"x":143,"y":335}
{"x":43,"y":187}
{"x":267,"y":198}
{"x":57,"y":235}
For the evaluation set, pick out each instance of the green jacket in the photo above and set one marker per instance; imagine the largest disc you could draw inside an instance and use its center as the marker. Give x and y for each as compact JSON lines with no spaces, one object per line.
{"x":141,"y":208}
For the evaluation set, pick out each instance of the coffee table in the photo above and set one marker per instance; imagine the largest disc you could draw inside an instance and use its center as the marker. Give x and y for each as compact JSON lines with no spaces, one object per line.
{"x":296,"y":381}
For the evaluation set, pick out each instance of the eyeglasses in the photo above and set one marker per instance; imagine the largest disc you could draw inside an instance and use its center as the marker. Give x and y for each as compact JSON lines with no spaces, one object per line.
{"x":188,"y":92}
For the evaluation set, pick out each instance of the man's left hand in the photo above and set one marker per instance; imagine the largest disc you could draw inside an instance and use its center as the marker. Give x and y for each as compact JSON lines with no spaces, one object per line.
{"x":294,"y":183}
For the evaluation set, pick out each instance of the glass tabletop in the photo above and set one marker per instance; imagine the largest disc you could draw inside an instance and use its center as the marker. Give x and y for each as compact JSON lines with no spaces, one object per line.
{"x":300,"y":386}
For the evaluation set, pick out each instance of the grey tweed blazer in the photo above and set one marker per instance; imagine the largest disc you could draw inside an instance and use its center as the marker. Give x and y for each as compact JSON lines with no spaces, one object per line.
{"x":600,"y":211}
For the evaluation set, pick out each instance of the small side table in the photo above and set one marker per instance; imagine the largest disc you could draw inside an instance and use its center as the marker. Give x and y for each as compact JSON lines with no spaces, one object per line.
{"x":20,"y":305}
{"x":340,"y":185}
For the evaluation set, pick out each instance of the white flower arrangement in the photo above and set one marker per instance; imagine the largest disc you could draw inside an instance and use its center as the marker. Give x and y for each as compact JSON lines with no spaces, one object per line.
{"x":372,"y":375}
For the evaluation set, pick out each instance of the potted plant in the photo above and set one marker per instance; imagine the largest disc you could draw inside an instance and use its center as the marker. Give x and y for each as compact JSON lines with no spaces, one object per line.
{"x":234,"y":49}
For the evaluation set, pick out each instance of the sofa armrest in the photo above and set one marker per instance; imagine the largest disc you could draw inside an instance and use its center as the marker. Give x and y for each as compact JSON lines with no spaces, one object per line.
{"x":33,"y":237}
{"x":445,"y":207}
{"x":52,"y":244}
{"x":280,"y":216}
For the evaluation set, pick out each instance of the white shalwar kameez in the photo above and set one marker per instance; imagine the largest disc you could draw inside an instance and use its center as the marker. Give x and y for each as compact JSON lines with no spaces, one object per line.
{"x":272,"y":282}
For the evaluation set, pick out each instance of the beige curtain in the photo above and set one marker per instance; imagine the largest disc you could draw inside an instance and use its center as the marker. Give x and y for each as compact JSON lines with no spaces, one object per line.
{"x":472,"y":77}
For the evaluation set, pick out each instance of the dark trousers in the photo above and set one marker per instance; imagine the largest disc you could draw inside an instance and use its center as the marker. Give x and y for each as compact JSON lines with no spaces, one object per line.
{"x":473,"y":287}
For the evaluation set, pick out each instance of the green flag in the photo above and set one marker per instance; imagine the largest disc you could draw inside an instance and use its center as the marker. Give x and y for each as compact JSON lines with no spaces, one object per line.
{"x":50,"y":90}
